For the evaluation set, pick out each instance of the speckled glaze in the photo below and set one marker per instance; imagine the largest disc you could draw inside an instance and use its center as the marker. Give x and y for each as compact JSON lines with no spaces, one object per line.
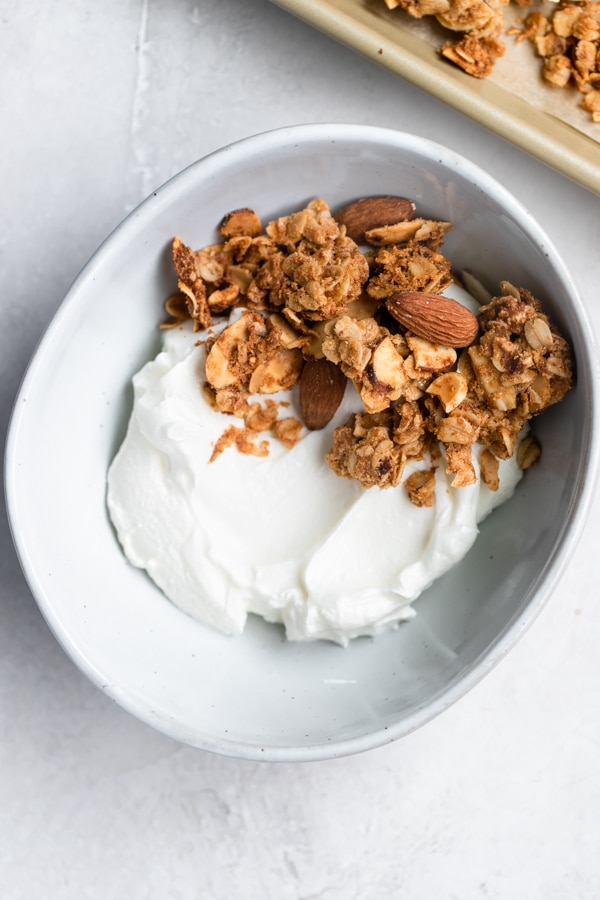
{"x":257,"y":696}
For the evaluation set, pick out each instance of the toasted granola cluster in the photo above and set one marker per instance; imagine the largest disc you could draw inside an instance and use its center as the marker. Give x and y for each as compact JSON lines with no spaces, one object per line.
{"x":303,"y":291}
{"x":479,"y":22}
{"x":374,"y":448}
{"x":414,"y":266}
{"x":568,"y":41}
{"x":304,"y":263}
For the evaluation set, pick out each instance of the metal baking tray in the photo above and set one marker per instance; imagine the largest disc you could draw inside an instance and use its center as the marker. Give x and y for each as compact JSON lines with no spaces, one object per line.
{"x":358,"y":25}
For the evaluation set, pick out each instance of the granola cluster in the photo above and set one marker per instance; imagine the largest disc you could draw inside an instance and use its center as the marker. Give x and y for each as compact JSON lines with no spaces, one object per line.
{"x":479,"y":23}
{"x":309,"y":293}
{"x":568,"y":41}
{"x":303,"y":263}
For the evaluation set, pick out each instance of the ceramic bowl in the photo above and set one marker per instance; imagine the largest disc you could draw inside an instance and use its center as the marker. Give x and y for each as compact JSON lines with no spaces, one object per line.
{"x":257,"y":696}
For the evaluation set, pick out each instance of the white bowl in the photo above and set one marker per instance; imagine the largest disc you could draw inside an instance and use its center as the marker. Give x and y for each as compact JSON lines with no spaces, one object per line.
{"x":258,"y":696}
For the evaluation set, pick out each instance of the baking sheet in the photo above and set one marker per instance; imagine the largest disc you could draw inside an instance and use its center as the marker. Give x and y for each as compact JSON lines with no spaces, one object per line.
{"x":548,"y":124}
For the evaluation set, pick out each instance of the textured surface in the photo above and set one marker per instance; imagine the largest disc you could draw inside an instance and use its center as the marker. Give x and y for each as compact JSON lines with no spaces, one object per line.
{"x":498,"y":798}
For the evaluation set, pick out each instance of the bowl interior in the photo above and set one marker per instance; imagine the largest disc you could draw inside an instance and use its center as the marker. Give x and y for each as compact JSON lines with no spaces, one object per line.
{"x":257,"y":695}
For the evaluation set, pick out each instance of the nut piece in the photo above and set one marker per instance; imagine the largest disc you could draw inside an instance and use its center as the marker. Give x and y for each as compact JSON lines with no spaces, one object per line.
{"x":240,"y":221}
{"x":321,"y":390}
{"x":222,"y":300}
{"x":177,"y":310}
{"x":537,"y":333}
{"x":384,"y":379}
{"x":474,"y":287}
{"x":219,"y":372}
{"x":428,"y":230}
{"x":429,"y":357}
{"x":191,"y":285}
{"x":451,"y":388}
{"x":373,"y":212}
{"x":488,"y":468}
{"x":460,"y":465}
{"x":278,"y":372}
{"x":434,"y":317}
{"x":528,"y":452}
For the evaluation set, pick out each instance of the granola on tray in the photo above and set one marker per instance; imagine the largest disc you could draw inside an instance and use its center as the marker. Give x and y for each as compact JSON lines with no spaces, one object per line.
{"x":566,"y":37}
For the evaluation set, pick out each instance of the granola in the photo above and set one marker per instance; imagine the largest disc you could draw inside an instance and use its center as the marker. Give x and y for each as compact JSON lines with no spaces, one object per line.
{"x":301,"y":290}
{"x":479,"y":22}
{"x":566,"y":38}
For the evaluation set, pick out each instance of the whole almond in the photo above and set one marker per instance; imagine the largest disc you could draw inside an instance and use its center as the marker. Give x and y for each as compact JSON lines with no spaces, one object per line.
{"x":373,"y":212}
{"x":434,"y":317}
{"x":322,"y":386}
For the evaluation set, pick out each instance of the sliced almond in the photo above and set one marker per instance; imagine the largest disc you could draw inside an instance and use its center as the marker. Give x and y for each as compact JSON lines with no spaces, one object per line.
{"x":210,"y":264}
{"x":218,"y":371}
{"x":489,"y":468}
{"x":220,"y":301}
{"x":413,"y":230}
{"x":528,"y":452}
{"x":475,"y":288}
{"x":240,"y":222}
{"x":429,"y":357}
{"x":537,"y":333}
{"x":451,"y":388}
{"x":240,"y":276}
{"x":373,"y":212}
{"x":279,"y":372}
{"x":457,"y":429}
{"x":539,"y":393}
{"x":288,"y":336}
{"x":434,"y":317}
{"x":322,"y":387}
{"x":386,"y":368}
{"x":362,"y":308}
{"x":177,"y":310}
{"x":510,"y":290}
{"x":504,"y":398}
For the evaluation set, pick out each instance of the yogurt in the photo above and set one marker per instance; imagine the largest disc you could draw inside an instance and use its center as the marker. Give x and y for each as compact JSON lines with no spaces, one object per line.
{"x":280,"y":536}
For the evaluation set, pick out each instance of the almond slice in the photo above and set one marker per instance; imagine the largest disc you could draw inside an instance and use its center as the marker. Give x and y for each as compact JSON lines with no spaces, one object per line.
{"x":322,"y":387}
{"x":413,"y":230}
{"x":434,"y":317}
{"x":373,"y":212}
{"x":240,"y":222}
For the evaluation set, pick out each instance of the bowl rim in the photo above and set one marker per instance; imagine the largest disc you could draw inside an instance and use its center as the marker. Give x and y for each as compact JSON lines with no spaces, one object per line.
{"x":577,"y":514}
